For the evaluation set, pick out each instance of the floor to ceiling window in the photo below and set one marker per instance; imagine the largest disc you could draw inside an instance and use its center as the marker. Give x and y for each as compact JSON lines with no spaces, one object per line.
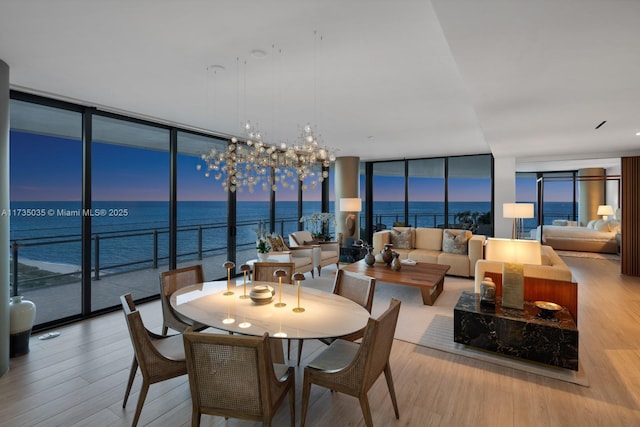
{"x":449,"y":192}
{"x":469,"y":186}
{"x":46,"y":193}
{"x":202,"y":206}
{"x":130,"y":204}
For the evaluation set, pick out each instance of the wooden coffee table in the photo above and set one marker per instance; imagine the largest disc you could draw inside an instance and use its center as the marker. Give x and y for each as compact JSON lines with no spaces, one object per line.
{"x":428,"y":277}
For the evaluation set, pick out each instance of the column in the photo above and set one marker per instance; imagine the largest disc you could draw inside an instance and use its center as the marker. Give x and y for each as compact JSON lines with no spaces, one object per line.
{"x":4,"y":218}
{"x":346,"y":185}
{"x":504,"y":184}
{"x":591,"y":194}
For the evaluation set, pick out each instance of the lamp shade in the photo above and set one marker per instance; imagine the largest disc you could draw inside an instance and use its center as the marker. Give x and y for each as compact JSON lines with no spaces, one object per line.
{"x":513,"y":251}
{"x":517,"y":210}
{"x":605,"y":210}
{"x":351,"y":204}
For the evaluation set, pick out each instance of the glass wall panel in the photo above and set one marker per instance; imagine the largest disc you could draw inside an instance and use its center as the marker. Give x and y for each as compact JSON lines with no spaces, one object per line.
{"x":469,"y":193}
{"x":46,"y":193}
{"x":286,"y":197}
{"x":426,"y":192}
{"x":388,"y":194}
{"x":201,"y":209}
{"x":130,"y":192}
{"x":559,"y":200}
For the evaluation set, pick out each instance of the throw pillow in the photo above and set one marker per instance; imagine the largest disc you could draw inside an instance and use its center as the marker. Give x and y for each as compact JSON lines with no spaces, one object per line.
{"x":455,"y":242}
{"x":601,"y":225}
{"x":401,"y":239}
{"x":591,"y":223}
{"x":276,"y":243}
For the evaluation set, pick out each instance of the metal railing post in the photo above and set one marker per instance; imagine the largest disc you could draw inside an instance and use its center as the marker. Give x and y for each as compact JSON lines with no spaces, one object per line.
{"x":96,"y":259}
{"x":200,"y":242}
{"x":155,"y":248}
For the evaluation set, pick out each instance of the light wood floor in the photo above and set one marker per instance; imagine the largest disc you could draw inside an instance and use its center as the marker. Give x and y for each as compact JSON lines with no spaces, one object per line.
{"x":78,"y":379}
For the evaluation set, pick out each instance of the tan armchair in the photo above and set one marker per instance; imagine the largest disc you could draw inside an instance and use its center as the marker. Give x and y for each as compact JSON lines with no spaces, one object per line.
{"x":302,"y":257}
{"x":171,"y":281}
{"x":329,"y":252}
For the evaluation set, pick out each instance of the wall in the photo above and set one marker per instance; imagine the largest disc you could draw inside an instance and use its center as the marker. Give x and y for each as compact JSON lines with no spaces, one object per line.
{"x":504,"y":192}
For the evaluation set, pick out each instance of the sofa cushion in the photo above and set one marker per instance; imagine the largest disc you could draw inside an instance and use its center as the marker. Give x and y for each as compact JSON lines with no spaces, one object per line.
{"x":401,"y":239}
{"x":601,"y":225}
{"x":424,"y":255}
{"x":428,"y":238}
{"x":455,"y":241}
{"x":459,"y":264}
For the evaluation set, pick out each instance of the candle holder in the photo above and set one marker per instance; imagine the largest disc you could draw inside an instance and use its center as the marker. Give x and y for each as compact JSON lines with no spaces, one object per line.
{"x":245,"y":269}
{"x":298,"y":277}
{"x":229,"y":266}
{"x":280,"y":274}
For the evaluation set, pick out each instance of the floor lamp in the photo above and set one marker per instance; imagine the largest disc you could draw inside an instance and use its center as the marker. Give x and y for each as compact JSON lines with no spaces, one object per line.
{"x":517,"y":211}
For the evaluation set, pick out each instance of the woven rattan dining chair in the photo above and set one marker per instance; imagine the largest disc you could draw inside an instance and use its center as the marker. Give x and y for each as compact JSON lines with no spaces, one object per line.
{"x":263,"y":271}
{"x":171,"y":281}
{"x":352,"y":368}
{"x":159,"y":358}
{"x":357,"y":288}
{"x":233,"y":376}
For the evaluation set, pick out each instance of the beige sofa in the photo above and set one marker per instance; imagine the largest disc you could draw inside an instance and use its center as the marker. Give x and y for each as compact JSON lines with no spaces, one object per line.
{"x":553,"y":267}
{"x":426,"y":245}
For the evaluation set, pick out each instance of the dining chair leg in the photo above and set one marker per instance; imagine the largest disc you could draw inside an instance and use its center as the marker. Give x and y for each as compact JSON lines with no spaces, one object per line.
{"x":306,"y":391}
{"x":143,"y":395}
{"x":392,"y":391}
{"x":132,"y":376}
{"x":292,"y":404}
{"x":165,"y":329}
{"x":195,"y":418}
{"x":366,"y":410}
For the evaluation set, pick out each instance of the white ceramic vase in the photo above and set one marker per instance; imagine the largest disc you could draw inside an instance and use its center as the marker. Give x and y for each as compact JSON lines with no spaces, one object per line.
{"x":262,"y":256}
{"x":22,"y":314}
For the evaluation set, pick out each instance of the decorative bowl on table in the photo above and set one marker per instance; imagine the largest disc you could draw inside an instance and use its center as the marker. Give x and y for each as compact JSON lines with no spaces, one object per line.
{"x":262,"y":294}
{"x":547,"y":309}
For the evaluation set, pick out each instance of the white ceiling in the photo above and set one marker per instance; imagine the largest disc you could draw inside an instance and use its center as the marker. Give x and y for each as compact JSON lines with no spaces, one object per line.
{"x":379,"y":79}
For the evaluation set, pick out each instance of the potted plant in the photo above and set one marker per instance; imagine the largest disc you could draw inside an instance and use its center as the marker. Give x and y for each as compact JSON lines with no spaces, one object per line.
{"x":262,"y":241}
{"x":318,"y":225}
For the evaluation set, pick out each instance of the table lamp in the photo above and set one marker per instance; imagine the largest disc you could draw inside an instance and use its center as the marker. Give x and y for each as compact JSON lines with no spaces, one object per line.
{"x":298,"y":277}
{"x":229,"y":266}
{"x":513,"y":254}
{"x":352,"y":205}
{"x":245,"y":269}
{"x":280,"y":274}
{"x":517,"y":211}
{"x":605,"y":211}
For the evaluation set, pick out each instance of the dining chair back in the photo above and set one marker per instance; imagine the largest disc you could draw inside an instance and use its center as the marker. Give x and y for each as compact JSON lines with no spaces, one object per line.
{"x":357,"y":288}
{"x":264,"y":271}
{"x":353,"y":368}
{"x":158,"y":357}
{"x":233,"y":376}
{"x":171,"y":281}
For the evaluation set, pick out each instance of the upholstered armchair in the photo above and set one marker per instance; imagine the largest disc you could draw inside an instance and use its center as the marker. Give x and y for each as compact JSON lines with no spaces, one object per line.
{"x":329,"y":252}
{"x":302,"y":257}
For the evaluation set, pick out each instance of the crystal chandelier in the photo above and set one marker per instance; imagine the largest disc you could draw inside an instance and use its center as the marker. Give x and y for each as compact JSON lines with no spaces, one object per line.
{"x":257,"y":163}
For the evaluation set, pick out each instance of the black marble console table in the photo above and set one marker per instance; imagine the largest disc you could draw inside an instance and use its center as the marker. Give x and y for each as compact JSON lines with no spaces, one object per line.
{"x":518,"y":333}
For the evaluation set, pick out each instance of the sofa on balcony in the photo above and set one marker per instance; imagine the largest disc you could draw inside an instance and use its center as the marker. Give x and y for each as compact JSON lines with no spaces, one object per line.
{"x":460,"y":249}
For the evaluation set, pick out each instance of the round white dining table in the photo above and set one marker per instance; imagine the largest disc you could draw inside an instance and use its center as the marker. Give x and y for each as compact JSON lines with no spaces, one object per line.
{"x":325,"y":314}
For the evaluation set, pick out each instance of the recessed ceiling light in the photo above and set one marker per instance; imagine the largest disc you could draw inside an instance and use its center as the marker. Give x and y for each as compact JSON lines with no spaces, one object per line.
{"x":637,"y":133}
{"x":258,"y":53}
{"x":215,"y":67}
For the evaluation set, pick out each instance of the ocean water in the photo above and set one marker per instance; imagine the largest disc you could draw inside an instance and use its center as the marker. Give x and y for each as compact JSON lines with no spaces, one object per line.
{"x":50,"y":231}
